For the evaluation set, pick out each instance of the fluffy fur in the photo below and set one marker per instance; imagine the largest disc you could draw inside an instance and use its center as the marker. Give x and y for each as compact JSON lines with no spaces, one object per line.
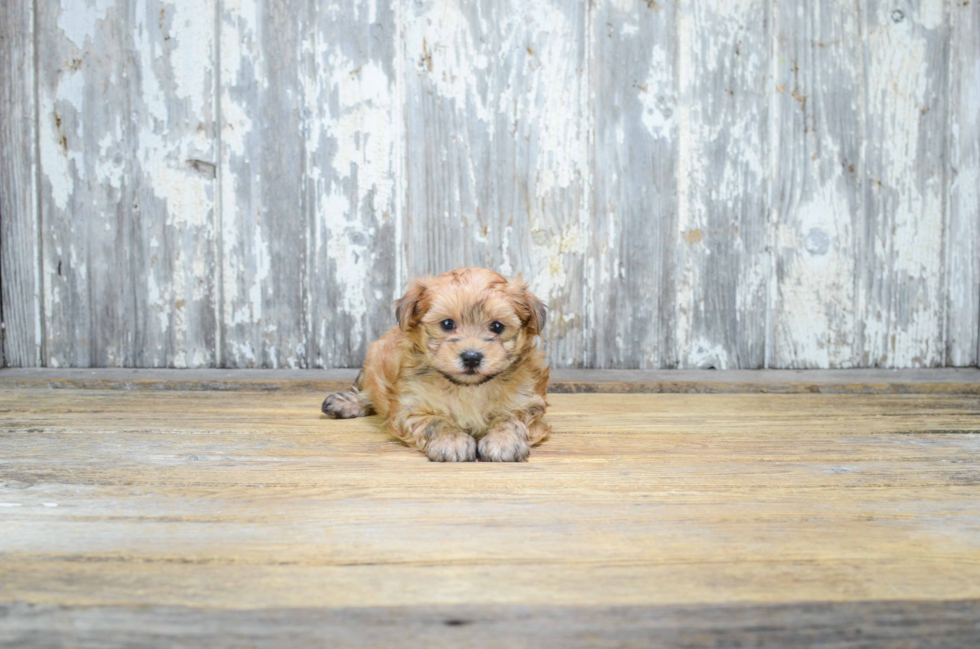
{"x":416,"y":379}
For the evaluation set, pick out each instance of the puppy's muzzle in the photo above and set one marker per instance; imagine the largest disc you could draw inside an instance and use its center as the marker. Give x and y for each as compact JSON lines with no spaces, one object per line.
{"x":471,"y":359}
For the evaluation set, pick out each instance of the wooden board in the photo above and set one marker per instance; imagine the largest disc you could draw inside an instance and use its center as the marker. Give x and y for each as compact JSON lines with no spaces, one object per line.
{"x":127,"y":157}
{"x":929,"y":381}
{"x":159,"y":516}
{"x":264,"y":210}
{"x":882,"y":625}
{"x":497,"y":149}
{"x":631,"y":318}
{"x":817,"y":202}
{"x":352,"y":197}
{"x":21,"y":336}
{"x":860,"y":178}
{"x":901,"y":251}
{"x":308,"y":182}
{"x":721,"y":267}
{"x":963,"y":178}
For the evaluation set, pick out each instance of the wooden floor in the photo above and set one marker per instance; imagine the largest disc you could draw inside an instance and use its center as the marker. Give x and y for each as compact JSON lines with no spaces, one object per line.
{"x":223,"y":518}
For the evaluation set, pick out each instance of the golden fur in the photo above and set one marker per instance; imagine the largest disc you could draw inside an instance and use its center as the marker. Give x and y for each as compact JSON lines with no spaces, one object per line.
{"x":415,"y":378}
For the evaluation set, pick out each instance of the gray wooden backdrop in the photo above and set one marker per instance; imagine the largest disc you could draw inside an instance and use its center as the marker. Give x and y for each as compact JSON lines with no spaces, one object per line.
{"x":712,"y":183}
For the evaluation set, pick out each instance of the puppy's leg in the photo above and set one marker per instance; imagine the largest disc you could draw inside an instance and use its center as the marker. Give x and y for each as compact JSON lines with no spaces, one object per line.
{"x":347,"y":405}
{"x":435,"y":436}
{"x":537,"y":432}
{"x":507,"y":441}
{"x":350,"y":404}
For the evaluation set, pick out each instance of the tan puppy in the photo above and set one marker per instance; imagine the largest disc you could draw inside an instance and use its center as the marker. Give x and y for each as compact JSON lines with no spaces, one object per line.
{"x":461,"y":375}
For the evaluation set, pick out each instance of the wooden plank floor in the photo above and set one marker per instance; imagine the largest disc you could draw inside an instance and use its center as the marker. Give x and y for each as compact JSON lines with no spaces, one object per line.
{"x":221,"y":518}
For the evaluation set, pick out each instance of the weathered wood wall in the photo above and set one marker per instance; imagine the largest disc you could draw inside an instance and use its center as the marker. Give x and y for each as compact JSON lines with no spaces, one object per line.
{"x":713,"y":183}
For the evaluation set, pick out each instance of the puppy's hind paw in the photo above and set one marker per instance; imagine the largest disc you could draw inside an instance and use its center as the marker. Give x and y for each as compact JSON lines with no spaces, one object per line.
{"x":344,"y":405}
{"x":451,"y":447}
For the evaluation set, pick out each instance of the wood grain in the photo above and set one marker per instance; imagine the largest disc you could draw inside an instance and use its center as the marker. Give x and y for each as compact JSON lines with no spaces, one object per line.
{"x":927,"y":381}
{"x":721,"y":265}
{"x":148,"y":515}
{"x":963,"y":201}
{"x":886,"y":625}
{"x":818,"y":202}
{"x":127,"y":165}
{"x":249,"y":183}
{"x":352,"y":200}
{"x":901,"y":253}
{"x":264,"y":219}
{"x":632,"y":303}
{"x":497,"y":147}
{"x":21,"y":337}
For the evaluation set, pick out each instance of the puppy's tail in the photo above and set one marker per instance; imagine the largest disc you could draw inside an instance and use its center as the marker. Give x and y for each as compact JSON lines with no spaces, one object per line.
{"x":348,"y":405}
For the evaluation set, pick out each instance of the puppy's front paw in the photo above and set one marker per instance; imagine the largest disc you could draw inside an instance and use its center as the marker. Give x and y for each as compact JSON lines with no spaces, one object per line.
{"x":451,"y":447}
{"x":505,"y":444}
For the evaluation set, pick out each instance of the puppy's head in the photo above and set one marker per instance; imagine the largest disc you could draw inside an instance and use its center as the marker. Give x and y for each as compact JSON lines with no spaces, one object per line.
{"x":471,"y":324}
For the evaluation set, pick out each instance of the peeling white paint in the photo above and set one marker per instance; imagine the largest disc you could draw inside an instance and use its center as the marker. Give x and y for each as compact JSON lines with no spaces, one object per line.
{"x":192,"y":29}
{"x":656,"y":95}
{"x":54,"y":160}
{"x":703,"y":354}
{"x":930,"y":13}
{"x":79,"y":18}
{"x":816,"y":298}
{"x":518,"y":65}
{"x":898,"y":76}
{"x":443,"y":47}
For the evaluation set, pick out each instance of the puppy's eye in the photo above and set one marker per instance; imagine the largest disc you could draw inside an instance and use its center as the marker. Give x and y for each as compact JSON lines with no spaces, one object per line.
{"x":447,"y":325}
{"x":497,"y":328}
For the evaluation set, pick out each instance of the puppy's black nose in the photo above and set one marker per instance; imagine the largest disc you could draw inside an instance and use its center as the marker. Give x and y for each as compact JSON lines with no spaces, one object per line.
{"x":471,"y":359}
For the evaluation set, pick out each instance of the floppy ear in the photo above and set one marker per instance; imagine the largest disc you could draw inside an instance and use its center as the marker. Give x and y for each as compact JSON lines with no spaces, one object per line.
{"x":410,"y":307}
{"x":533,"y":311}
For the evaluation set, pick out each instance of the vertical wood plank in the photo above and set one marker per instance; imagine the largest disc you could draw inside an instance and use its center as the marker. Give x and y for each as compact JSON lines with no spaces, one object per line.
{"x":901,"y":304}
{"x":721,"y":264}
{"x":817,"y":198}
{"x":497,"y":148}
{"x":263,"y":162}
{"x":20,"y":288}
{"x":963,"y":230}
{"x":173,"y":133}
{"x":87,"y":192}
{"x":635,"y":94}
{"x":352,"y":132}
{"x":127,"y":161}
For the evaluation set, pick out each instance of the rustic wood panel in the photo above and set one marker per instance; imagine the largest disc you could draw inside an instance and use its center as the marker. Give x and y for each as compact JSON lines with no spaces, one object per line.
{"x":900,"y":260}
{"x":87,"y":247}
{"x":963,"y":234}
{"x":721,"y":264}
{"x":309,"y":197}
{"x":818,"y":199}
{"x":264,"y":211}
{"x":716,"y":184}
{"x":632,"y":298}
{"x":497,"y":149}
{"x":20,"y":339}
{"x":127,"y":159}
{"x":132,"y":501}
{"x":353,"y":159}
{"x":859,"y":192}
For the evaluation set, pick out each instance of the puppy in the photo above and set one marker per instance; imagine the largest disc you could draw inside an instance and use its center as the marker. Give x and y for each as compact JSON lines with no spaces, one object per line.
{"x":461,"y":376}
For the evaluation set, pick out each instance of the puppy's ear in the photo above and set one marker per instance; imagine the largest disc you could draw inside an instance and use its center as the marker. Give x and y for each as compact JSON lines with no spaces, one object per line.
{"x":532,"y":311}
{"x":410,"y":307}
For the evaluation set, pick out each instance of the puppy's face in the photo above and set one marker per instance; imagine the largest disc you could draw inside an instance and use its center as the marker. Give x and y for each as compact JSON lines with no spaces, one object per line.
{"x":471,"y":323}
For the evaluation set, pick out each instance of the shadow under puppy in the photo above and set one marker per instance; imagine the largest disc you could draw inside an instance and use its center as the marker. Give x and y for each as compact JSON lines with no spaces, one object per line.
{"x":460,"y":377}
